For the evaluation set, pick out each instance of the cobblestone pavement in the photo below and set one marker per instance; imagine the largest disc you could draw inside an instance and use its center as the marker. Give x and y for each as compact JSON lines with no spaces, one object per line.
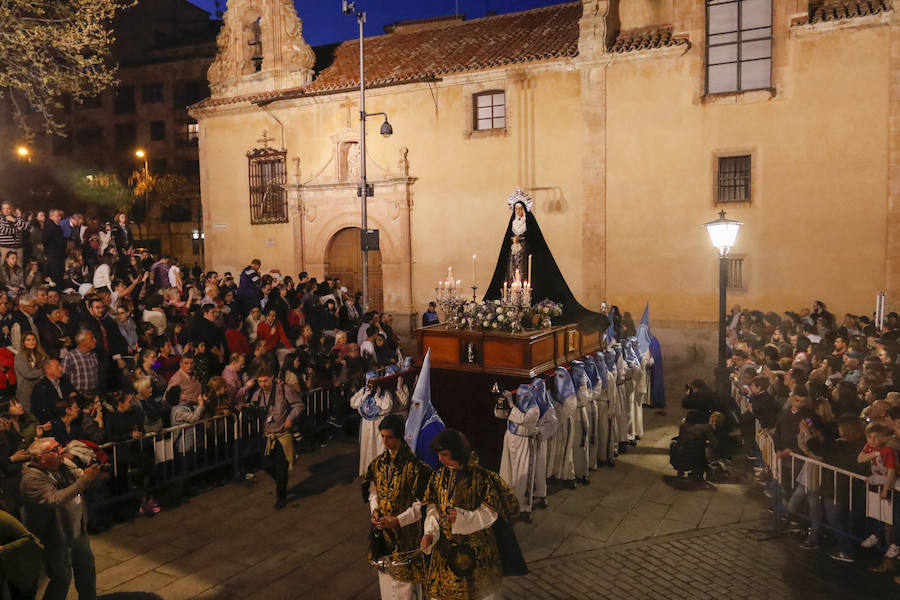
{"x":626,"y":535}
{"x":735,"y":561}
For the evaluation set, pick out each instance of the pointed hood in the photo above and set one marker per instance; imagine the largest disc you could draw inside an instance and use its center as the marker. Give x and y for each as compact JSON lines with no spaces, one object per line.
{"x":643,"y":332}
{"x":539,"y":392}
{"x":590,"y":369}
{"x":602,"y":369}
{"x":579,"y":377}
{"x":562,"y":388}
{"x":423,"y":422}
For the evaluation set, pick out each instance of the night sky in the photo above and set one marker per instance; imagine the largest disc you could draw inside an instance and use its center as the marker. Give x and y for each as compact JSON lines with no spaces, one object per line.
{"x":323,"y":21}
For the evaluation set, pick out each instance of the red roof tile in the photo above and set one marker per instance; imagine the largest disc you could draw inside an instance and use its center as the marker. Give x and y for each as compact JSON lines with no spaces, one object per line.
{"x":538,"y":34}
{"x":838,"y":10}
{"x":646,"y":38}
{"x":421,"y":54}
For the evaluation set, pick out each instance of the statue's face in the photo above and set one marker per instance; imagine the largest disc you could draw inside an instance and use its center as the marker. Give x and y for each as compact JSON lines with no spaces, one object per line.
{"x":520,"y":211}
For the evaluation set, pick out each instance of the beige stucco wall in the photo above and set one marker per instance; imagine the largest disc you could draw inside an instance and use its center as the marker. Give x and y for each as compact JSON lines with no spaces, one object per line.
{"x":815,"y":227}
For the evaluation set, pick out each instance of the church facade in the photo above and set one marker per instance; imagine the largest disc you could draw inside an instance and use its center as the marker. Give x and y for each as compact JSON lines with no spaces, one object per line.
{"x":630,"y":124}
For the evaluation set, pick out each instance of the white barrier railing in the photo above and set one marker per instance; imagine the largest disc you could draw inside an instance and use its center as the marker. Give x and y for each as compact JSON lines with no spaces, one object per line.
{"x":876,"y":508}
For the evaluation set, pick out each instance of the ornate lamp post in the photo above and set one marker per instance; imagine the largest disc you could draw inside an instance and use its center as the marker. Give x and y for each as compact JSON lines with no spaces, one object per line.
{"x":364,"y":191}
{"x":723,"y":234}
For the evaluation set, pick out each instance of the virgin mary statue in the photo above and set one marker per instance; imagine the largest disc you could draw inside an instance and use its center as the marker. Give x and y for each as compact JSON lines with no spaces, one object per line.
{"x":523,"y":239}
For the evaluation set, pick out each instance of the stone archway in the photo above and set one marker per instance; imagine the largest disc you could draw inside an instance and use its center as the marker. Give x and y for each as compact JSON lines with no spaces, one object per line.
{"x":343,"y":259}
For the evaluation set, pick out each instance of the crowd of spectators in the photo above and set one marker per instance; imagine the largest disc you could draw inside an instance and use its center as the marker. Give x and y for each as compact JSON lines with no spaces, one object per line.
{"x":102,"y":342}
{"x":825,"y":389}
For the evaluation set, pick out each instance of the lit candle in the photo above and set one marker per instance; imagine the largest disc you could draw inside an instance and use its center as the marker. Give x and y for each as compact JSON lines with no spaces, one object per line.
{"x":529,"y":267}
{"x":474,"y":278}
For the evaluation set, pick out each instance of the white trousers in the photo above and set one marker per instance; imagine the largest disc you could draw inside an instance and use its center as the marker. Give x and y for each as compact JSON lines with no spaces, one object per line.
{"x":391,"y":589}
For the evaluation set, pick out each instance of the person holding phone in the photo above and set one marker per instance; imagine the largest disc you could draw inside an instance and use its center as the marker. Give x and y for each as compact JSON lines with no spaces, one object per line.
{"x":52,"y":489}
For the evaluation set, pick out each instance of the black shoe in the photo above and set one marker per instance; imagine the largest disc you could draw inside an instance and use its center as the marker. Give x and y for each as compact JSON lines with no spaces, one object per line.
{"x":632,"y":442}
{"x":583,"y":480}
{"x":280,"y":503}
{"x":539,"y":503}
{"x":610,"y":463}
{"x":525,"y":517}
{"x":570,"y":483}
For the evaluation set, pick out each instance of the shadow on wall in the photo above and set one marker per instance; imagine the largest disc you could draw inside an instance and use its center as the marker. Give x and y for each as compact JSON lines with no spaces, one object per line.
{"x":550,"y":200}
{"x":693,"y":343}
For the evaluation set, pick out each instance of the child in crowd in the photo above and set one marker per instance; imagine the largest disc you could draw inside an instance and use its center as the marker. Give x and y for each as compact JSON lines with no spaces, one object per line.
{"x":883,"y":461}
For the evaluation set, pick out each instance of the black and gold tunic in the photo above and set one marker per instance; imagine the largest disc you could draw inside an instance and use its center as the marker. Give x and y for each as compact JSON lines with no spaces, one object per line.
{"x":398,"y":483}
{"x":466,"y":567}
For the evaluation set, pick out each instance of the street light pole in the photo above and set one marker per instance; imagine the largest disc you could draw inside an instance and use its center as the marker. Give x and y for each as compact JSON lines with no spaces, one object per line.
{"x":349,"y":8}
{"x":363,"y":184}
{"x":723,"y":234}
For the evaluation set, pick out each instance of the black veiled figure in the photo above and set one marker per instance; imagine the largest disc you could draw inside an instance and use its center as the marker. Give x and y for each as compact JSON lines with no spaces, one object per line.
{"x":547,"y":280}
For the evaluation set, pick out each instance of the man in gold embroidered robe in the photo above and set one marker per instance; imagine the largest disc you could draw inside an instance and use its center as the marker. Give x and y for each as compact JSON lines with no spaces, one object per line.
{"x":395,"y":483}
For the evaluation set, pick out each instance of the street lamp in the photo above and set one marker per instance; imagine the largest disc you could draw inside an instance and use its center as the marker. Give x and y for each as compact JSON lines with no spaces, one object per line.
{"x":723,"y":234}
{"x":143,"y":156}
{"x":364,"y":191}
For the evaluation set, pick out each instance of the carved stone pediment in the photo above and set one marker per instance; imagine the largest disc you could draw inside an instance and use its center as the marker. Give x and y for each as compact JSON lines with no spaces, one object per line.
{"x":260,"y":48}
{"x":342,"y":166}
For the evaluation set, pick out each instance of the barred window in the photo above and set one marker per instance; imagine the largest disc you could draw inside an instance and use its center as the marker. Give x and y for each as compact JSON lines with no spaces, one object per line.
{"x":490,"y":110}
{"x":735,"y":272}
{"x":268,"y":174}
{"x":738,"y":45}
{"x":733,"y":179}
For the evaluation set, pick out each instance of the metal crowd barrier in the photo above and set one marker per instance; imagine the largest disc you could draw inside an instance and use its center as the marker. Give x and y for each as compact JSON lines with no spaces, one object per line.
{"x":860,"y":492}
{"x":223,"y":443}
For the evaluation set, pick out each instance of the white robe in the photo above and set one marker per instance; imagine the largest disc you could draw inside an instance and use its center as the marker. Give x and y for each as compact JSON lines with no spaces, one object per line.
{"x":615,"y":407}
{"x":547,"y":426}
{"x":601,"y":425}
{"x":563,"y":466}
{"x":593,"y":410}
{"x":624,"y":410}
{"x":581,"y":432}
{"x":370,"y":444}
{"x":517,"y":463}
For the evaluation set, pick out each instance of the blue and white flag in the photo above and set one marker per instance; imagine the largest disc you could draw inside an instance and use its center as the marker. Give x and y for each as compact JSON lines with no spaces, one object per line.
{"x":423,"y":422}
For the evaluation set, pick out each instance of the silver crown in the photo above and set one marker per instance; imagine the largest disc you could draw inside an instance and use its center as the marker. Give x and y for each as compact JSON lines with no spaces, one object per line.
{"x":520,"y":196}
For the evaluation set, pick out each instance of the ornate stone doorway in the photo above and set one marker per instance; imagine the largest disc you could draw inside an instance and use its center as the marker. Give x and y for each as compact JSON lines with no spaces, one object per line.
{"x":344,"y":260}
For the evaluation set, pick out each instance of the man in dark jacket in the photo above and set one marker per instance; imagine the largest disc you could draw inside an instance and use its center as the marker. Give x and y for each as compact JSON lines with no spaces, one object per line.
{"x":787,"y":426}
{"x":764,"y":410}
{"x":54,"y":246}
{"x":111,"y":344}
{"x":55,"y":512}
{"x":698,"y":396}
{"x":51,"y":393}
{"x":207,"y":331}
{"x":249,"y":292}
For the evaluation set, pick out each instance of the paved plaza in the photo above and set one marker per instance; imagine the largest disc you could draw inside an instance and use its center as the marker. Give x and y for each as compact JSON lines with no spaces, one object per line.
{"x":628,"y":534}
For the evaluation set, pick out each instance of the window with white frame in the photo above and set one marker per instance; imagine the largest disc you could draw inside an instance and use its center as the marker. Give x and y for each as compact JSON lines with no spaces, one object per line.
{"x":738,"y":45}
{"x":489,"y":110}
